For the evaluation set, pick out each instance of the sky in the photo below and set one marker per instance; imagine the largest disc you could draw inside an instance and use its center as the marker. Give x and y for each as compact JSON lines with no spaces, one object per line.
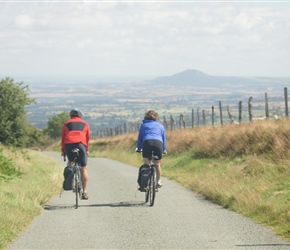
{"x":134,"y":40}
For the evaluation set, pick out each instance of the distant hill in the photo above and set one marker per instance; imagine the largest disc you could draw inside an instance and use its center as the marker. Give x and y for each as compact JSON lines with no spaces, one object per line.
{"x":200,"y":79}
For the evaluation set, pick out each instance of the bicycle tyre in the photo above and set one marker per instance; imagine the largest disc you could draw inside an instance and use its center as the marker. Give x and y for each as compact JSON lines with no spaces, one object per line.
{"x":80,"y":185}
{"x":78,"y":181}
{"x":77,"y":188}
{"x":152,"y":187}
{"x":147,"y":194}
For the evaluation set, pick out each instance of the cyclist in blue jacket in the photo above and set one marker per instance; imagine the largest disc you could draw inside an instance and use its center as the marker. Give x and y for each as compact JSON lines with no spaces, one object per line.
{"x":152,"y":137}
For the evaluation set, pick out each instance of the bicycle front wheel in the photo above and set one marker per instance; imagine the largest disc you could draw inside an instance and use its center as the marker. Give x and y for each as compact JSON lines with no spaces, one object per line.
{"x":152,"y":187}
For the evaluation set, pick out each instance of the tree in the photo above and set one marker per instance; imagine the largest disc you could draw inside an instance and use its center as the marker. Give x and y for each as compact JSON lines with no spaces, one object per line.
{"x":13,"y":123}
{"x":55,"y":124}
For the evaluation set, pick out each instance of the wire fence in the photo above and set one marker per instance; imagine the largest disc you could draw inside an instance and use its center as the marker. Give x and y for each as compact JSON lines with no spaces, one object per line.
{"x":275,"y":107}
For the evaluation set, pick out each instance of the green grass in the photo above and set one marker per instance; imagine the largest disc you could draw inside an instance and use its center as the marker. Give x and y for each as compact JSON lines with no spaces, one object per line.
{"x":23,"y":197}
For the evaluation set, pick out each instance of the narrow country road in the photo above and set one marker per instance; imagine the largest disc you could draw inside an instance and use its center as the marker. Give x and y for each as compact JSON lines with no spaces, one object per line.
{"x":116,"y":217}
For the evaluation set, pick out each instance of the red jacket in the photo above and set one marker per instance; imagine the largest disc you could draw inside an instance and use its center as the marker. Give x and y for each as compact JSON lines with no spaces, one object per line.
{"x":75,"y":130}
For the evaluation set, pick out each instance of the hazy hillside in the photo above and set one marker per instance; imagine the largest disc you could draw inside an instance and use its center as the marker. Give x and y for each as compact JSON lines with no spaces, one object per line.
{"x":199,"y":79}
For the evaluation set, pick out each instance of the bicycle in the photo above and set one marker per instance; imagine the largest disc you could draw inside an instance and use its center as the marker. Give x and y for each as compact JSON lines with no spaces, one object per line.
{"x":152,"y":188}
{"x":77,"y":180}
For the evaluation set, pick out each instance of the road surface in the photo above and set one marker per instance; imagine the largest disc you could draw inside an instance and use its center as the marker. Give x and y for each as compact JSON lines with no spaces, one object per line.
{"x":117,"y":217}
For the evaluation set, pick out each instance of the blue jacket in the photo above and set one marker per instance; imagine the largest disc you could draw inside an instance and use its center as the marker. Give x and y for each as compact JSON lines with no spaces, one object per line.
{"x":151,"y":130}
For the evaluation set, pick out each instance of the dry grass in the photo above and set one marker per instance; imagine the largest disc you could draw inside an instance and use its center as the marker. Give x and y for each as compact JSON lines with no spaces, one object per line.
{"x":258,"y":138}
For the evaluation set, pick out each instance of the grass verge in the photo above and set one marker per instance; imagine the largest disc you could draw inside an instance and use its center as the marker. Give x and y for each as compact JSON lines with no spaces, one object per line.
{"x":22,"y":198}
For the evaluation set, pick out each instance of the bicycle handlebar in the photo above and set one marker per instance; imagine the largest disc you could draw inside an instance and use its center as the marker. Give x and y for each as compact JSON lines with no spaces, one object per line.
{"x":140,"y":151}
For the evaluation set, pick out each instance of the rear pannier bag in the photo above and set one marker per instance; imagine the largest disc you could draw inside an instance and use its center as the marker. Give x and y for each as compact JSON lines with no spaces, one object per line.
{"x":68,"y":178}
{"x":143,"y":176}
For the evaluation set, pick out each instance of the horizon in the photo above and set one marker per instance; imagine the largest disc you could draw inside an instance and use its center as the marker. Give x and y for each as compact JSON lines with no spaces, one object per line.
{"x":110,"y":79}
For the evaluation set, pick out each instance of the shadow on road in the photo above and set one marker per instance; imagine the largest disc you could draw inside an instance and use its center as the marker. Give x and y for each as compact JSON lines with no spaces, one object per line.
{"x":49,"y":207}
{"x":263,"y":245}
{"x":120,"y":204}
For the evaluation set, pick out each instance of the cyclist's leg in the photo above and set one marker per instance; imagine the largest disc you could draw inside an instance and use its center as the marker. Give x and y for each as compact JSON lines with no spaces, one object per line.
{"x":158,"y":162}
{"x":83,"y":157}
{"x":85,"y":177}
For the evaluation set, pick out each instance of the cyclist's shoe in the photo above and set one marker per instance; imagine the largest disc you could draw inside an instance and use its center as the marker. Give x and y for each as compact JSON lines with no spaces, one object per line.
{"x":159,"y":184}
{"x":85,"y":196}
{"x":142,"y":189}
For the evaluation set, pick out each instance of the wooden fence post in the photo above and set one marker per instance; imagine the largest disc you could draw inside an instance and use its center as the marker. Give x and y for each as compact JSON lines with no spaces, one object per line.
{"x":192,"y":118}
{"x":212,"y":115}
{"x":266,"y":106}
{"x":221,"y":112}
{"x":286,"y":101}
{"x":183,"y":121}
{"x":172,"y":122}
{"x":203,"y":117}
{"x":230,"y":114}
{"x":165,"y":122}
{"x":250,"y":108}
{"x":240,"y":111}
{"x":197,"y":112}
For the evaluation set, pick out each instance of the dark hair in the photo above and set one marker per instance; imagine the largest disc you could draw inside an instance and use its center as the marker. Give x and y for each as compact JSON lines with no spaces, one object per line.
{"x":76,"y":112}
{"x":151,"y":115}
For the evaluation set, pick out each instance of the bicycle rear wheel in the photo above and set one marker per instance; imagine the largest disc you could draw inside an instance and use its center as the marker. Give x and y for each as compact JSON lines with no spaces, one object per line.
{"x":78,"y":186}
{"x":147,"y":194}
{"x":152,"y":187}
{"x":77,"y":193}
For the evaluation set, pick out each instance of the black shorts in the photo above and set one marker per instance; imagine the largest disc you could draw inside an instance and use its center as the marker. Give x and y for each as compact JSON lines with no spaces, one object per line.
{"x":152,"y":145}
{"x":83,"y":156}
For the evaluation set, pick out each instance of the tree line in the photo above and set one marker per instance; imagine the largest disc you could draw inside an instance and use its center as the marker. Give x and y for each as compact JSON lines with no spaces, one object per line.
{"x":15,"y":130}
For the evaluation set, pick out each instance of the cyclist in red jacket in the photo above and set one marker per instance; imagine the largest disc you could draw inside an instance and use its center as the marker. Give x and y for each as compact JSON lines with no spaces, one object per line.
{"x":76,"y":134}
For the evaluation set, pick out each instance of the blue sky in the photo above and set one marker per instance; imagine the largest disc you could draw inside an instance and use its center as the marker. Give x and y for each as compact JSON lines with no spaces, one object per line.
{"x":144,"y":39}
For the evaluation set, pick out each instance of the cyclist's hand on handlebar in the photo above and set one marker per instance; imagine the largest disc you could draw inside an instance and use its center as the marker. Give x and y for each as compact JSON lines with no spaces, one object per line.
{"x":138,"y":150}
{"x":64,"y":156}
{"x":165,"y":152}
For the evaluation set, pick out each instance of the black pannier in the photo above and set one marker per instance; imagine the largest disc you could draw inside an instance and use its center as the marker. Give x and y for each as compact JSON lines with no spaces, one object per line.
{"x":143,"y":176}
{"x":68,"y":178}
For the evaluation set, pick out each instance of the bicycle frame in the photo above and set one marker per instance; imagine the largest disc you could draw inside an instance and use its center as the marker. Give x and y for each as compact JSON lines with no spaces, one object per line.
{"x":152,"y":188}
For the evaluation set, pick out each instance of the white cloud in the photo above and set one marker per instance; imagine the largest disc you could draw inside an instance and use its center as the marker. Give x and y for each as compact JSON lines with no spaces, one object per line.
{"x":144,"y":38}
{"x":23,"y":21}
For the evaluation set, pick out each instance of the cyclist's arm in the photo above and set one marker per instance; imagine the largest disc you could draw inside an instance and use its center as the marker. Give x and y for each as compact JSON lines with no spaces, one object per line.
{"x":63,"y":135}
